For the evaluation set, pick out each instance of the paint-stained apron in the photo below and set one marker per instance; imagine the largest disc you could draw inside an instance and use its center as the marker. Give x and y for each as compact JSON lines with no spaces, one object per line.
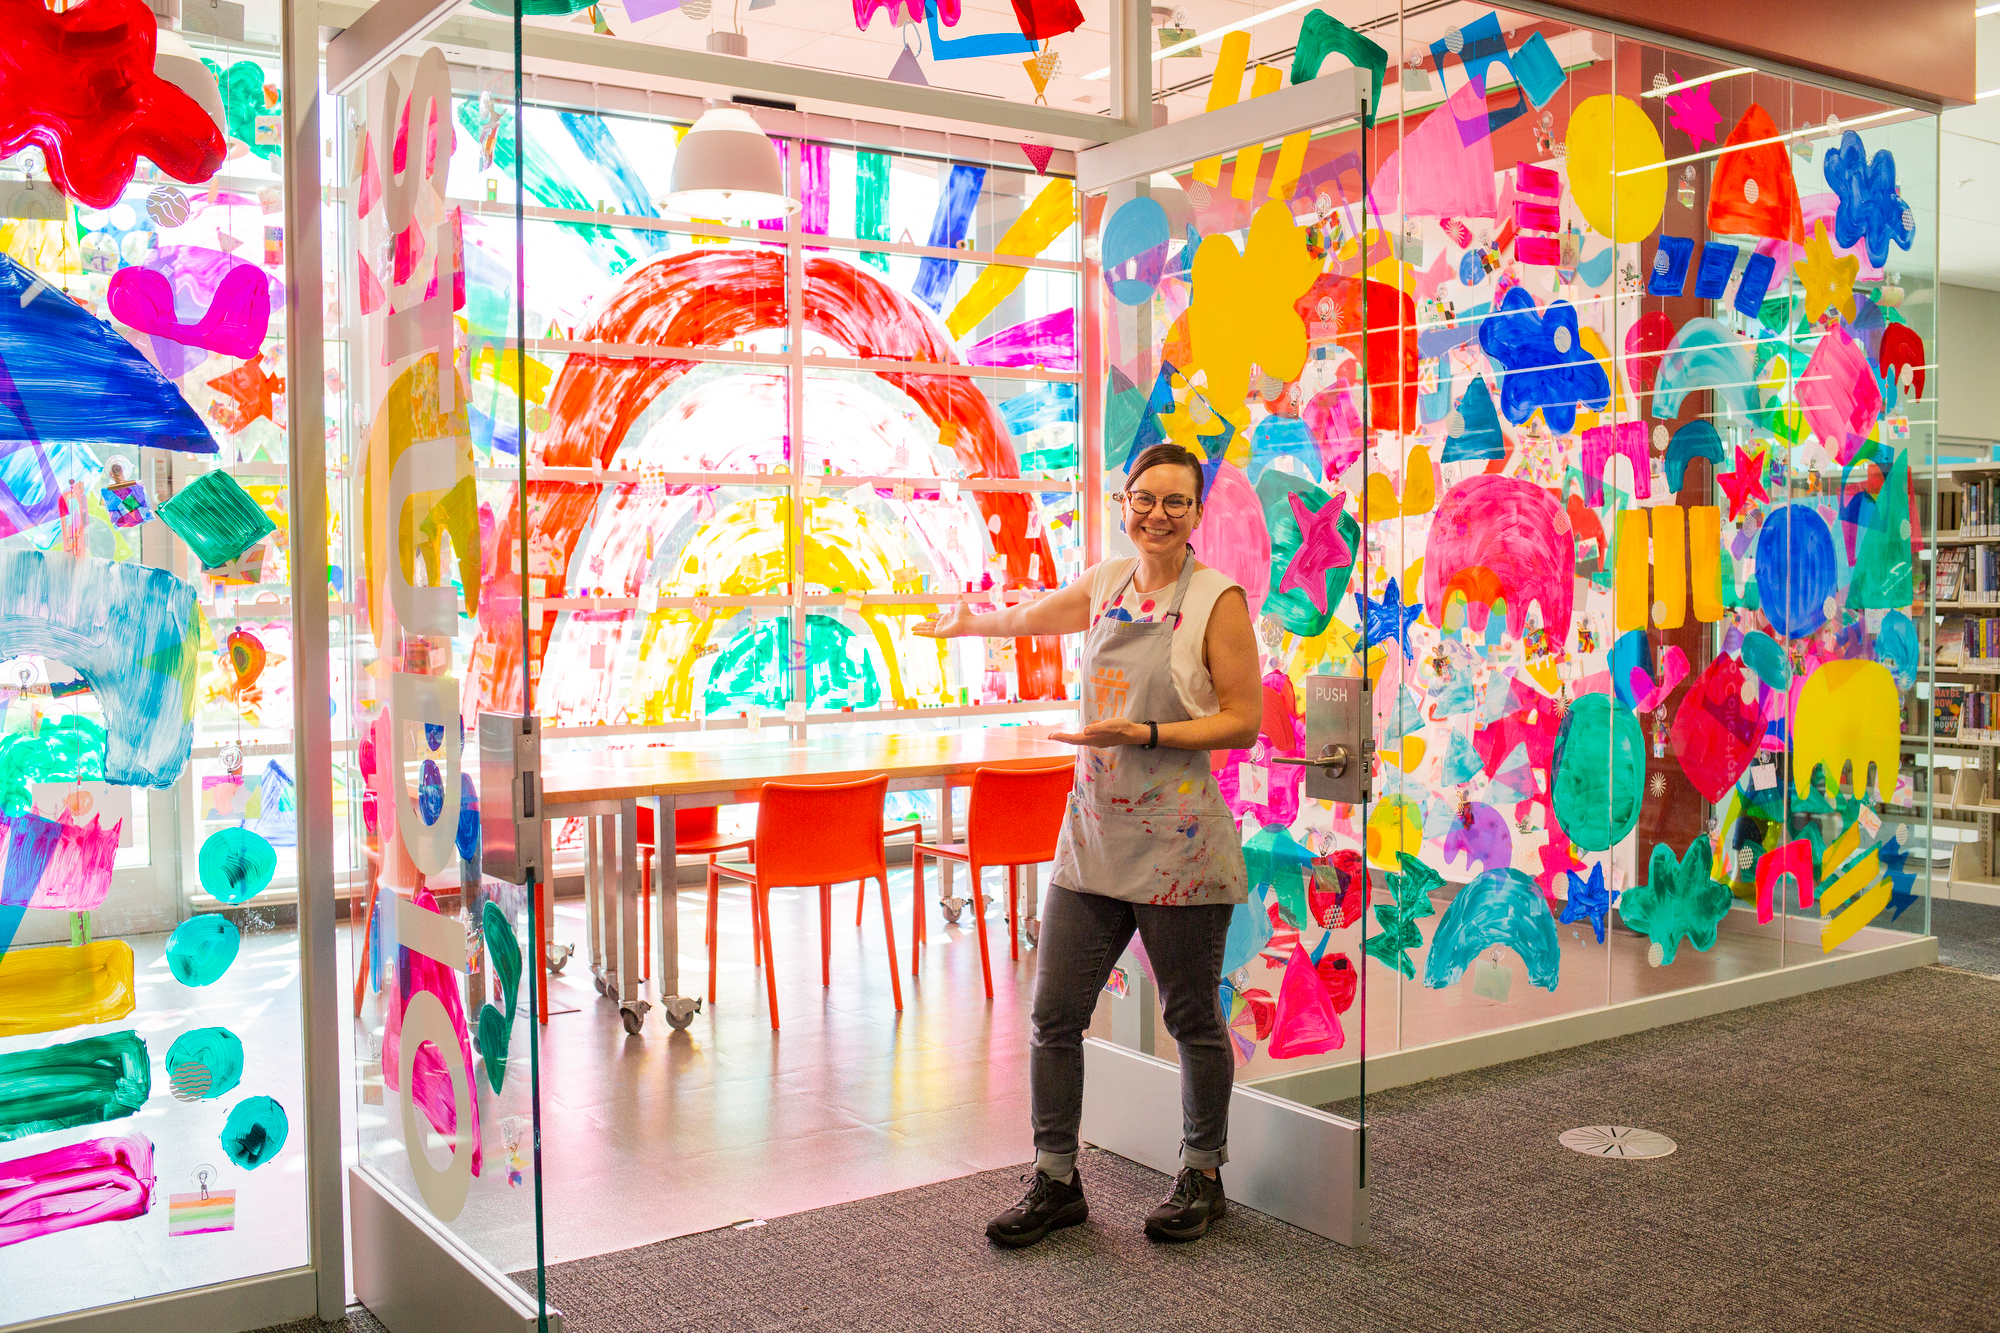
{"x":1145,"y":826}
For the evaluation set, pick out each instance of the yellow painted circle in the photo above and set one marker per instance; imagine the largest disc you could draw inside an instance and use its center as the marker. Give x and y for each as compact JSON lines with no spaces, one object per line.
{"x":1609,"y":135}
{"x":1394,"y":825}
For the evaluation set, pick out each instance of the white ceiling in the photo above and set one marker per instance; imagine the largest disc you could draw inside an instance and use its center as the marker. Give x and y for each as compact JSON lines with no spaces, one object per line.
{"x":1969,"y":178}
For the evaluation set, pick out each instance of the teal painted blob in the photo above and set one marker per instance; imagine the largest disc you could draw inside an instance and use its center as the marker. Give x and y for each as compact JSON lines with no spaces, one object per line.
{"x":75,"y":1083}
{"x":201,"y":949}
{"x":495,"y":1028}
{"x":491,"y":1040}
{"x":752,"y":671}
{"x":216,"y":517}
{"x":1600,"y":772}
{"x":63,"y":748}
{"x":255,"y":1132}
{"x":1502,"y":906}
{"x":204,"y":1063}
{"x":236,"y":865}
{"x":1883,"y":572}
{"x":1766,"y":656}
{"x":1680,"y":899}
{"x":1271,"y":856}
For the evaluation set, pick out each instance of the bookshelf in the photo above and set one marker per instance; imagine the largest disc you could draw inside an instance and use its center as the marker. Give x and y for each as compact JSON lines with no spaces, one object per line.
{"x":1952,"y":720}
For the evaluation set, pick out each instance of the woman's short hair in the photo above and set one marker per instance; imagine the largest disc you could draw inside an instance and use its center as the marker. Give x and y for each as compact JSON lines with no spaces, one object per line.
{"x":1170,"y":455}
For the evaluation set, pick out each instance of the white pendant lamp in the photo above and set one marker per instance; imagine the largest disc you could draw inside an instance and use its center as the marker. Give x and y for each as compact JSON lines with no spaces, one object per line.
{"x":727,"y":169}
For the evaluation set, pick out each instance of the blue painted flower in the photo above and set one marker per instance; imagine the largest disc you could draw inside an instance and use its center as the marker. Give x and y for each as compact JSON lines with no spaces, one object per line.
{"x":1545,"y":362}
{"x":1870,"y":207}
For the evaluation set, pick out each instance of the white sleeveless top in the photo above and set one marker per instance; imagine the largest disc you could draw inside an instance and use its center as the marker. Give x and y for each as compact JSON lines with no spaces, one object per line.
{"x":1192,"y":682}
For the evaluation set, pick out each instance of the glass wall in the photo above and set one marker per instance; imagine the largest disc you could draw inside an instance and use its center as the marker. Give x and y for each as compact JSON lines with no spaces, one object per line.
{"x":1579,"y":406}
{"x":152,"y":1101}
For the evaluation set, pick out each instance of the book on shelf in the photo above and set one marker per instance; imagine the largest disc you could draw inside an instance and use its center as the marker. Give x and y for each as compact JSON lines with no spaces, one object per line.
{"x":1950,"y":570}
{"x":1947,"y":707}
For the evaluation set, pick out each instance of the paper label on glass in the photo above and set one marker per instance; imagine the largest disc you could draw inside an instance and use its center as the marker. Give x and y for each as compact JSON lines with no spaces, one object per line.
{"x":1492,"y":981}
{"x":110,"y":803}
{"x":1253,"y":784}
{"x":795,"y":712}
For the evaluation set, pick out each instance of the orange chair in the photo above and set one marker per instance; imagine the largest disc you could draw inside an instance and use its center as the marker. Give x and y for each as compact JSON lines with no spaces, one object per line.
{"x":694,"y":835}
{"x":813,"y":834}
{"x":1013,"y":819}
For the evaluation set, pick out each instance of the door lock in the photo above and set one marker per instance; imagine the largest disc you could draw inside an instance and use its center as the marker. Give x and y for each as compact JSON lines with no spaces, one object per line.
{"x":1332,"y":760}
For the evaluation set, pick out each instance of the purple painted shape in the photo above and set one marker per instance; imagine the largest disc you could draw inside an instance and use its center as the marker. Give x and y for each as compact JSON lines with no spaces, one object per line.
{"x":98,"y":1180}
{"x":195,"y":274}
{"x":1600,"y":443}
{"x":1048,"y":341}
{"x":638,"y":11}
{"x":1487,"y":842}
{"x":31,"y":841}
{"x":1336,"y":427}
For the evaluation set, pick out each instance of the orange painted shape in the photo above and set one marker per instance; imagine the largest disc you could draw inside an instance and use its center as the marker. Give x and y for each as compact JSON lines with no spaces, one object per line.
{"x":43,"y":990}
{"x":1669,"y":568}
{"x":1225,"y":86}
{"x":1632,"y":549}
{"x":1243,"y":177}
{"x":1705,"y":561}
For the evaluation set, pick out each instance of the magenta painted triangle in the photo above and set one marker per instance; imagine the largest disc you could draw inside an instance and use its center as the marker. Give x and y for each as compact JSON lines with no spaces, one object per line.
{"x":1038,"y":154}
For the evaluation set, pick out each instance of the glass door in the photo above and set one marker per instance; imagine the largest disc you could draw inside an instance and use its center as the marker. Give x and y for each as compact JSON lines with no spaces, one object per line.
{"x":432,"y":394}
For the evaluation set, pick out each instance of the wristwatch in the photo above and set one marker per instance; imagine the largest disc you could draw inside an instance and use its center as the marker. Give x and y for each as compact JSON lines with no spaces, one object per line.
{"x":1154,"y":742}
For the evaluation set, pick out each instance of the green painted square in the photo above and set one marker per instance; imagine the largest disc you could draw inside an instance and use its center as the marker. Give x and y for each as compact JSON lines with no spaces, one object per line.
{"x":216,"y":518}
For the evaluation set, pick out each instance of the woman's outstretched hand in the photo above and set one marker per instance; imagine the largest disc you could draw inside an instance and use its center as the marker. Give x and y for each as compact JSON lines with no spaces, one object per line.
{"x":955,"y":623}
{"x":1105,"y":733}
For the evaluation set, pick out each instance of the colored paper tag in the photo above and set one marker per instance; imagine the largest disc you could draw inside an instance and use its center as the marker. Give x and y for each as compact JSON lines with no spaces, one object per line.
{"x":1871,"y":823}
{"x":1253,"y":784}
{"x":795,"y":712}
{"x":199,"y":1213}
{"x":1492,"y":981}
{"x":1764,"y":776}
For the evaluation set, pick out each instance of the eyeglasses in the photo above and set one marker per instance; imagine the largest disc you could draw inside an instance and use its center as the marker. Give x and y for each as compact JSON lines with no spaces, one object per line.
{"x":1142,"y":502}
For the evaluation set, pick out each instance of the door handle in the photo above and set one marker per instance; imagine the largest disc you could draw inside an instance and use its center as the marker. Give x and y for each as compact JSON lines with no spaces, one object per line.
{"x":1332,"y":759}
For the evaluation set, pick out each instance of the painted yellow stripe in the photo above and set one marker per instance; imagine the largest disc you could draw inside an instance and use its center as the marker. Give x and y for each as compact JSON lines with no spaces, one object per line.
{"x":1834,"y":896}
{"x":1224,"y":88}
{"x":1841,"y":929}
{"x":1704,"y":551}
{"x":42,"y":990}
{"x":1628,"y":577}
{"x":1052,"y":213}
{"x":1843,"y":847}
{"x":1669,"y":567}
{"x":1243,"y":178}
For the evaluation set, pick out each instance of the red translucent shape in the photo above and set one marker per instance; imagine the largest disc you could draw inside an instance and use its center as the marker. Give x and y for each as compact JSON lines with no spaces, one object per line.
{"x":80,"y":86}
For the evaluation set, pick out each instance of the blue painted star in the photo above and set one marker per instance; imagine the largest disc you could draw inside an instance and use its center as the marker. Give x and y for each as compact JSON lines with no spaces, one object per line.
{"x":1893,"y":859}
{"x":1388,"y":618}
{"x":1587,"y":900}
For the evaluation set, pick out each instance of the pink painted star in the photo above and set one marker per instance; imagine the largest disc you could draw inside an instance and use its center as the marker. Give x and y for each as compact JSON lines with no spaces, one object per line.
{"x":1691,"y":112}
{"x":1321,"y":547}
{"x":1745,"y":481}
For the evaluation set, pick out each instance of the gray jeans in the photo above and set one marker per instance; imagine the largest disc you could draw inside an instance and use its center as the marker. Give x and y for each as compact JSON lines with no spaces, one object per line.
{"x":1083,"y":935}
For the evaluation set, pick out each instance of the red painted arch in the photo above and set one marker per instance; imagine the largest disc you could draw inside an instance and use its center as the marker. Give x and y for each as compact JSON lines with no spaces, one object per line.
{"x":705,"y":299}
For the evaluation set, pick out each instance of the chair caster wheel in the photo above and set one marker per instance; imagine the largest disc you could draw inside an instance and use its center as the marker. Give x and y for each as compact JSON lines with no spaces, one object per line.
{"x":559,"y":955}
{"x":1032,"y":928}
{"x":598,"y":982}
{"x":679,"y":1012}
{"x":952,"y":908}
{"x":633,"y":1016}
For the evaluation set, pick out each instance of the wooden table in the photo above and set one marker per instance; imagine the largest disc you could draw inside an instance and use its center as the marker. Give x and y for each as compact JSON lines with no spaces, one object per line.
{"x":606,"y":788}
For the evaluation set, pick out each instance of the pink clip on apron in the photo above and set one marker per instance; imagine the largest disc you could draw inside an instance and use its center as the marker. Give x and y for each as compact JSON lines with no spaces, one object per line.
{"x":1145,"y":826}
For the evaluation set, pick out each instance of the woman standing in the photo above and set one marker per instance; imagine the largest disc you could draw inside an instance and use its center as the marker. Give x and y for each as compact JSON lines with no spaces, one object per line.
{"x":1170,"y":673}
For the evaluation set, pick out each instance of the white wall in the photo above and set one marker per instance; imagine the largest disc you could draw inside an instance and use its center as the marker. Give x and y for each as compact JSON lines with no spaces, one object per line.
{"x":1969,"y":363}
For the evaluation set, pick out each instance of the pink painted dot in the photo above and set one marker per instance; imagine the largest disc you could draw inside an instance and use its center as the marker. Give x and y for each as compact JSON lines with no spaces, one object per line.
{"x":1146,"y":606}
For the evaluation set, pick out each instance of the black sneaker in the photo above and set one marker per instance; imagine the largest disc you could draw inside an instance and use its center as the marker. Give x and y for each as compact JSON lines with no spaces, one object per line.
{"x":1047,"y":1206}
{"x":1196,"y":1201}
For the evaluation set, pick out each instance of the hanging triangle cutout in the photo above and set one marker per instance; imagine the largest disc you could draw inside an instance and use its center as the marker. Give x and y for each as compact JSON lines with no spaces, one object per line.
{"x":1753,"y":193}
{"x":907,"y":70}
{"x":1038,"y":154}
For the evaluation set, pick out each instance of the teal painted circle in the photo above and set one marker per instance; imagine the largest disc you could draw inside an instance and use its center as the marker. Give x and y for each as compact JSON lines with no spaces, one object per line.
{"x":236,"y":865}
{"x":201,"y":949}
{"x":204,"y":1063}
{"x":1600,"y":772}
{"x":1134,"y":251}
{"x":255,"y":1132}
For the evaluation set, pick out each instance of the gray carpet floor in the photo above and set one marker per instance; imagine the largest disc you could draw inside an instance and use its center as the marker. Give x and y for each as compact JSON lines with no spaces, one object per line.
{"x":1968,"y":936}
{"x":1838,"y":1168}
